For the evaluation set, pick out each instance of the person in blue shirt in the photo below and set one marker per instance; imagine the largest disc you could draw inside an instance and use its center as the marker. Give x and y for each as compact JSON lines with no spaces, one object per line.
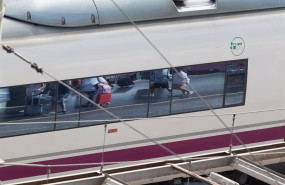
{"x":161,"y":78}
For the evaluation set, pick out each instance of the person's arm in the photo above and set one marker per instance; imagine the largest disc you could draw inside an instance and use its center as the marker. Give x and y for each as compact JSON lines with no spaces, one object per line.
{"x":186,"y":79}
{"x":102,"y":80}
{"x":41,"y":88}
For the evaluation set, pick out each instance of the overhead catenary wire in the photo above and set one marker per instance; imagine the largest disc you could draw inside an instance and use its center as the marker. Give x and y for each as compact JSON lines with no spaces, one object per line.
{"x":176,"y":71}
{"x":40,"y":70}
{"x":191,"y":87}
{"x":95,"y":164}
{"x":122,"y":162}
{"x":9,"y":49}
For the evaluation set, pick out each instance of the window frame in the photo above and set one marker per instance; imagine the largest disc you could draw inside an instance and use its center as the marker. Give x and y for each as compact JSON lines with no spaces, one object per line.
{"x":148,"y":102}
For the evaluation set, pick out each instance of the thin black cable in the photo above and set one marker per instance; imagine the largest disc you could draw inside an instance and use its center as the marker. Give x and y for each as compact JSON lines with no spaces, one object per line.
{"x":176,"y":71}
{"x":40,"y":70}
{"x":191,"y":87}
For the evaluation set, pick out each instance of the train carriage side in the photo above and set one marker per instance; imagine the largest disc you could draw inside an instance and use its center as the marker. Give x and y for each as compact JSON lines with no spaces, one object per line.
{"x":234,"y":61}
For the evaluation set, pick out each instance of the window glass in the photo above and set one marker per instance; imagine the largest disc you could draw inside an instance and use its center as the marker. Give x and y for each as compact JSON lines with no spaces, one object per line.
{"x":236,"y":82}
{"x":28,"y":105}
{"x":67,"y":105}
{"x":90,"y":114}
{"x":35,"y":108}
{"x":208,"y":81}
{"x":130,"y":95}
{"x":126,"y":96}
{"x":160,"y":96}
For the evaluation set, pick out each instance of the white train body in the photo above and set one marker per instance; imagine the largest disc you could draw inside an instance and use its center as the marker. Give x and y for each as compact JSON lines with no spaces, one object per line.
{"x":116,"y":49}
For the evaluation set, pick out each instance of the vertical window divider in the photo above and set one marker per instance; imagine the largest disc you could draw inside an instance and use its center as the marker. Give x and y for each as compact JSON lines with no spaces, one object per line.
{"x":245,"y":81}
{"x":170,"y":103}
{"x":148,"y":103}
{"x":56,"y":98}
{"x":225,"y":84}
{"x":79,"y":109}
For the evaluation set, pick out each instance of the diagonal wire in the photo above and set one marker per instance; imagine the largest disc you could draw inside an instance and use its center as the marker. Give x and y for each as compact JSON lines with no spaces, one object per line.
{"x":170,"y":64}
{"x":34,"y":65}
{"x":40,"y":70}
{"x":192,"y":88}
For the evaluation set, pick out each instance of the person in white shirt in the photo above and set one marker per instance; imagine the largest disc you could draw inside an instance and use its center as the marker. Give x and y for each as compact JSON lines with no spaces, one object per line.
{"x":180,"y":81}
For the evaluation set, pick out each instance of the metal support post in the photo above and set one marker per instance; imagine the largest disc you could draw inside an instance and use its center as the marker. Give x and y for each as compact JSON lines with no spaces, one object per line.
{"x":232,"y":131}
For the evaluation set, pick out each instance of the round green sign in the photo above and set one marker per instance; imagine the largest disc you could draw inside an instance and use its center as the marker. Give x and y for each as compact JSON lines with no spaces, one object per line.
{"x":237,"y":46}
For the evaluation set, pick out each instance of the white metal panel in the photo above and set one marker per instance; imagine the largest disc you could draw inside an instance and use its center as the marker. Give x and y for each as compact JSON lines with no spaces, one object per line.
{"x":122,"y":49}
{"x":137,"y":10}
{"x":78,"y":13}
{"x":187,"y":42}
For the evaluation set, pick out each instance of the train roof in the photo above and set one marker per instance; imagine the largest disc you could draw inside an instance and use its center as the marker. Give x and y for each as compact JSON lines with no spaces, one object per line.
{"x":79,"y":13}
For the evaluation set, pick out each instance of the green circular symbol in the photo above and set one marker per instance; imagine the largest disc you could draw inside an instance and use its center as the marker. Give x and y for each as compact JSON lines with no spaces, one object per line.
{"x":237,"y":46}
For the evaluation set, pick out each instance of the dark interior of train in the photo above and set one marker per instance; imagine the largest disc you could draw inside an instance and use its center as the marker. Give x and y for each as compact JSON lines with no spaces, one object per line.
{"x":194,"y":3}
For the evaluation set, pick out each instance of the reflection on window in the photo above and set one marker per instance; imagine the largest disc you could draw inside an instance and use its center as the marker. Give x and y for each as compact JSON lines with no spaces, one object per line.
{"x":66,"y":106}
{"x":158,"y":92}
{"x":88,"y":112}
{"x":27,"y":104}
{"x":207,"y":79}
{"x":235,"y":85}
{"x":130,"y":93}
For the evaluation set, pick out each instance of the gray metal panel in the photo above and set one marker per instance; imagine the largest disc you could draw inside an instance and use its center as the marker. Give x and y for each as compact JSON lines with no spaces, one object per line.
{"x":52,"y":12}
{"x":137,"y":10}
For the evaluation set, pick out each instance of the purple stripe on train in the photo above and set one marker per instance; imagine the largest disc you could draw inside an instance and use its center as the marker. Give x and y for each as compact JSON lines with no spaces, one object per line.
{"x":146,"y":152}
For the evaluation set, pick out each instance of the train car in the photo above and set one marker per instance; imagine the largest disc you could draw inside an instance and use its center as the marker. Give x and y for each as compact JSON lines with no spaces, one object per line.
{"x":231,"y":52}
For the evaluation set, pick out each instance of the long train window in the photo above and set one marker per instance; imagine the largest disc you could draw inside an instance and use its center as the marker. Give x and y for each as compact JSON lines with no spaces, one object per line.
{"x":49,"y":106}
